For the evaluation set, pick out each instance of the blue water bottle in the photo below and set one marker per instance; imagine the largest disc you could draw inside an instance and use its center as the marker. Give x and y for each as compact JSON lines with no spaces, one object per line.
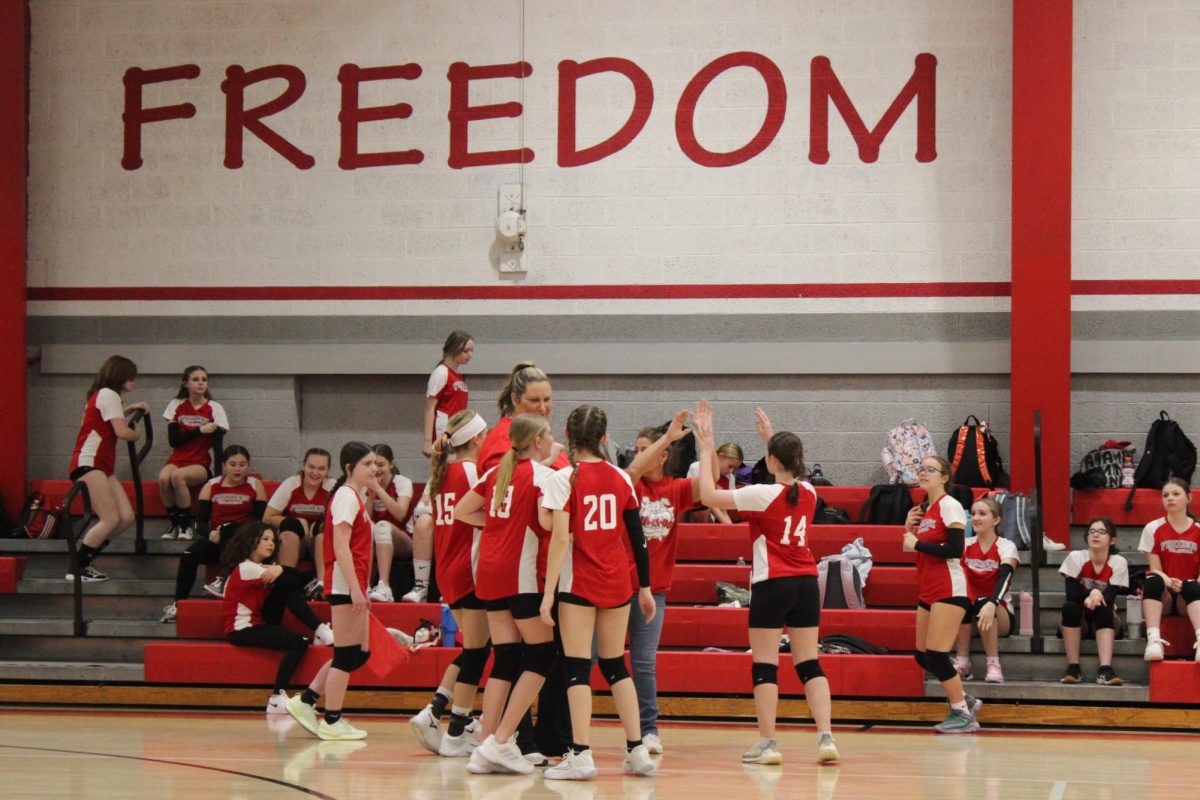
{"x":449,"y":627}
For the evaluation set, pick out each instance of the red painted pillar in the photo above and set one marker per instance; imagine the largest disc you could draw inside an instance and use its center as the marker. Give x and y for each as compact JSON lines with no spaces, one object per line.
{"x":14,"y":97}
{"x":1041,"y":251}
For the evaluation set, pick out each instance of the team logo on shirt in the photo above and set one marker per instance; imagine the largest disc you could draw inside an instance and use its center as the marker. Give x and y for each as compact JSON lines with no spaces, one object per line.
{"x":1093,"y":583}
{"x":192,"y":420}
{"x":983,"y":564}
{"x":1179,"y":546}
{"x":228,"y":499}
{"x":307,"y":508}
{"x":460,"y":386}
{"x":658,"y":516}
{"x":927,"y":524}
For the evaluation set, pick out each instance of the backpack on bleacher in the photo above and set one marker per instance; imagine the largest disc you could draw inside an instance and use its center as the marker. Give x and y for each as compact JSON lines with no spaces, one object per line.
{"x":906,"y":445}
{"x":887,"y":504}
{"x":841,"y":586}
{"x":1016,"y":521}
{"x":830,"y":515}
{"x":817,"y":478}
{"x":974,"y":455}
{"x":845,"y":644}
{"x":1168,"y":453}
{"x":37,"y":520}
{"x":1101,"y":468}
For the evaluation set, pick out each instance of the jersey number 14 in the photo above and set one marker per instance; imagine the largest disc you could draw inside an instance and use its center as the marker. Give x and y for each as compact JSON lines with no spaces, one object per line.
{"x":798,"y":532}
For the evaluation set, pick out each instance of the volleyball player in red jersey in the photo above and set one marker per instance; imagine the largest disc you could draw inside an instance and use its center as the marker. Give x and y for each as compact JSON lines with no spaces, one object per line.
{"x":1093,"y":578}
{"x":595,"y":512}
{"x":256,"y":594}
{"x":224,"y":503}
{"x":527,"y":392}
{"x":663,"y":500}
{"x":193,"y":418}
{"x":506,"y":504}
{"x":347,"y":571}
{"x":388,"y":510}
{"x":989,"y":561}
{"x":935,"y":530}
{"x":95,"y":459}
{"x":298,"y":505}
{"x":447,"y":392}
{"x":1172,"y":547}
{"x":452,"y":473}
{"x":783,"y":578}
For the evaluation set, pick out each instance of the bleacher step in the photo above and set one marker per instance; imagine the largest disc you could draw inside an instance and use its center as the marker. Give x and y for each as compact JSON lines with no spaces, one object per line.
{"x":72,"y":671}
{"x":1052,"y":691}
{"x":112,"y":586}
{"x":124,"y":545}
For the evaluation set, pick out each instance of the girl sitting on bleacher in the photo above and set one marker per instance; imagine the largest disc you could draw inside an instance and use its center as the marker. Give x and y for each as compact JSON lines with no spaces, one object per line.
{"x":783,"y":578}
{"x":225,"y":503}
{"x":1172,"y":547}
{"x":193,"y":418}
{"x":990,"y":561}
{"x":256,"y":594}
{"x":729,"y":460}
{"x":388,"y":510}
{"x":95,"y":459}
{"x":298,"y":505}
{"x":1094,"y":577}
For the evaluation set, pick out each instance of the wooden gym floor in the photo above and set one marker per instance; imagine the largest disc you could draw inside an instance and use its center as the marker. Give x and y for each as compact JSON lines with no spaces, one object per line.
{"x":138,"y":754}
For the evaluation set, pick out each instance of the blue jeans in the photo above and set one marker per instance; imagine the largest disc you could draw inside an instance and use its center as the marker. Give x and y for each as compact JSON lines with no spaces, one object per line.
{"x":643,"y":658}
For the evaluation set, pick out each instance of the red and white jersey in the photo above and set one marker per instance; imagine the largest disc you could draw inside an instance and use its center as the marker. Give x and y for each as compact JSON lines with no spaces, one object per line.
{"x":597,"y":565}
{"x":778,"y":530}
{"x":512,"y":544}
{"x":450,"y":390}
{"x":939,"y":578}
{"x":291,"y":500}
{"x":1078,"y":564}
{"x":197,"y":451}
{"x":96,"y":444}
{"x":983,"y":566}
{"x":497,"y":443}
{"x":245,"y":594}
{"x":398,"y":487}
{"x":232,"y":503}
{"x":1179,"y":551}
{"x":455,"y":543}
{"x":661,"y":503}
{"x":347,"y":507}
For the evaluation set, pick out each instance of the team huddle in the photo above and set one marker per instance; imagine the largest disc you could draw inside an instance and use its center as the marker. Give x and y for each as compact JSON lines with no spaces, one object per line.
{"x":549,"y":557}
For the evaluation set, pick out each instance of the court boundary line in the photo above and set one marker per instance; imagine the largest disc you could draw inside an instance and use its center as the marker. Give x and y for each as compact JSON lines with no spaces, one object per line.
{"x":276,"y":781}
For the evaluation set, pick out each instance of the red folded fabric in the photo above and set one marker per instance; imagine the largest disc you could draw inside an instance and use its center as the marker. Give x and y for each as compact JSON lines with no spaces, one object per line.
{"x":386,"y":653}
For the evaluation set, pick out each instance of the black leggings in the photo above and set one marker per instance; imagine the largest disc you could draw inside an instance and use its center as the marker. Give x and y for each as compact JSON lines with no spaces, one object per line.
{"x":201,"y":551}
{"x":286,"y":592}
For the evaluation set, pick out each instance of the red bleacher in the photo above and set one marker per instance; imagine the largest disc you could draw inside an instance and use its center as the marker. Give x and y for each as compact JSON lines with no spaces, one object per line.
{"x":1174,"y":682}
{"x":713,"y":542}
{"x":11,"y":570}
{"x":204,"y":619}
{"x":888,"y":587}
{"x":1086,"y":505}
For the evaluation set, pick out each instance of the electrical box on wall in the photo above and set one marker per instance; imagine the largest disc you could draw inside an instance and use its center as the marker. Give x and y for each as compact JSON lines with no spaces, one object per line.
{"x":510,"y":227}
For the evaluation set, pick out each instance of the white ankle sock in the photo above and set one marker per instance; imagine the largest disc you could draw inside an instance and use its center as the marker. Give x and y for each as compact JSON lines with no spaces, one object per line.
{"x":421,"y":569}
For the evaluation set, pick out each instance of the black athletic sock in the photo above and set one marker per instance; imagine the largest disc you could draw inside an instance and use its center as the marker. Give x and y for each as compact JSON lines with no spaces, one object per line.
{"x":438,"y":704}
{"x":630,"y":744}
{"x":458,"y":723}
{"x":331,"y":717}
{"x":578,"y":748}
{"x":309,"y":697}
{"x":86,"y":554}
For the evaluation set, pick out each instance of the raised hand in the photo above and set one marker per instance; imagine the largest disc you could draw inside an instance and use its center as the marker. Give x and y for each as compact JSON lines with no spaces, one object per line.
{"x":762,"y":424}
{"x":676,"y":431}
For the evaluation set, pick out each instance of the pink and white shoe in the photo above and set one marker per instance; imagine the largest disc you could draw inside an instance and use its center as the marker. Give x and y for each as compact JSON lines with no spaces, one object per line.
{"x":994,"y":673}
{"x":963,"y":667}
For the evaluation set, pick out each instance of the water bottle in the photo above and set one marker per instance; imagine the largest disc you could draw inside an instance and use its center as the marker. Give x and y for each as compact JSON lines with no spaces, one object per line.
{"x":449,"y":627}
{"x":1127,"y":469}
{"x":741,"y":562}
{"x":1026,"y":601}
{"x":1133,"y":617}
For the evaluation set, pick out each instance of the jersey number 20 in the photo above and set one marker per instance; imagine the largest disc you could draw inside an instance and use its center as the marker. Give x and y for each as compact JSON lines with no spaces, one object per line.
{"x":599,"y":512}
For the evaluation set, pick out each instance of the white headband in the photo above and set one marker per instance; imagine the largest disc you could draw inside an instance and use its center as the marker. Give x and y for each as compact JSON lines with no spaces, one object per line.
{"x":467,"y":432}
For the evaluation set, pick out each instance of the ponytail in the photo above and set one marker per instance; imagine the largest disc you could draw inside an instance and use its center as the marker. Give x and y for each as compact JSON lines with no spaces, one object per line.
{"x":523,"y":432}
{"x":437,"y":464}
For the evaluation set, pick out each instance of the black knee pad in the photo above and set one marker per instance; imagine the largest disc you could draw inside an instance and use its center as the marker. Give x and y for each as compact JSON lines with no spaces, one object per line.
{"x":1190,"y":592}
{"x":1102,"y":617}
{"x":614,"y":669}
{"x":937,"y":662}
{"x":506,"y":662}
{"x":471,"y":662}
{"x":1153,"y":587}
{"x":807,"y":670}
{"x":764,"y":673}
{"x":539,"y":659}
{"x":362,"y":657}
{"x":346,"y":658}
{"x":1072,"y":614}
{"x":577,"y":671}
{"x":919,"y":657}
{"x":292,"y":525}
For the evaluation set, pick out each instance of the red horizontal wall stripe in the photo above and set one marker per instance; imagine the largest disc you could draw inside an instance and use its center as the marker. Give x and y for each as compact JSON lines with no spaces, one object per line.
{"x":594,"y":292}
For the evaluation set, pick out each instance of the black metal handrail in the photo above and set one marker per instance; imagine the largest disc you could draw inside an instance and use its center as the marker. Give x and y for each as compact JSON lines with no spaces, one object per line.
{"x":136,"y":457}
{"x":1036,"y":552}
{"x":78,"y":489}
